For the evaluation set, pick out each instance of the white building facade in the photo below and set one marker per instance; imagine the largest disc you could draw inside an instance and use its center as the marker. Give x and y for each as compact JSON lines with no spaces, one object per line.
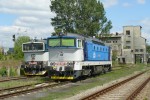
{"x":130,"y":45}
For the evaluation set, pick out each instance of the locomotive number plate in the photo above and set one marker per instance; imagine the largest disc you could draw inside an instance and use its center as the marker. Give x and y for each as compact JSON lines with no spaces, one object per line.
{"x":33,"y":62}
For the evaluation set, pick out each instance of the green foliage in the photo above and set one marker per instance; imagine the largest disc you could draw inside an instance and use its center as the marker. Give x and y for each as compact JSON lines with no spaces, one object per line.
{"x":1,"y":56}
{"x":13,"y":71}
{"x":18,"y":54}
{"x":6,"y":57}
{"x":22,"y":71}
{"x":3,"y":71}
{"x":148,"y":48}
{"x":80,"y":16}
{"x":114,"y":55}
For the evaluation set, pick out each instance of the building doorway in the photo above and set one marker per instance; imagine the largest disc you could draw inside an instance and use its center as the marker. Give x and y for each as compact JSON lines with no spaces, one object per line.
{"x":139,"y":58}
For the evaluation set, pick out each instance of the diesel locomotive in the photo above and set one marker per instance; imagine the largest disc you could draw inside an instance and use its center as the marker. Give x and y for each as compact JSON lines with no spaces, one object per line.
{"x":73,"y":56}
{"x":36,"y":57}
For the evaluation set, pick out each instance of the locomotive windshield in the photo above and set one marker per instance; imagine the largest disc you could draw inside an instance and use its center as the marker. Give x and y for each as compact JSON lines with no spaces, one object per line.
{"x":33,"y":47}
{"x":61,"y":42}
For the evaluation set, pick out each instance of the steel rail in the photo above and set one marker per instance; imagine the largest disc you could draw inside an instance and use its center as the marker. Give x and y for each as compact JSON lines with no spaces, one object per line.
{"x":29,"y":90}
{"x":14,"y":78}
{"x":19,"y":87}
{"x":101,"y":92}
{"x":137,"y":91}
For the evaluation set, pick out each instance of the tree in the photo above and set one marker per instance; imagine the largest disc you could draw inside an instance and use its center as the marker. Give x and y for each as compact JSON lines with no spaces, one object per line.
{"x":18,"y":46}
{"x":80,"y":16}
{"x":148,"y":48}
{"x":64,"y":10}
{"x":114,"y":55}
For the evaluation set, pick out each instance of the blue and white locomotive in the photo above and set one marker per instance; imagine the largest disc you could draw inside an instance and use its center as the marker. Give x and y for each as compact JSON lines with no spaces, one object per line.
{"x":74,"y":56}
{"x":36,"y":57}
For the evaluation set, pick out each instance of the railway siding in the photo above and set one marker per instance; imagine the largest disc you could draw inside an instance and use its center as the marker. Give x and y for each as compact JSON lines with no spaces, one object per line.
{"x":126,"y":89}
{"x":145,"y":92}
{"x":28,"y":89}
{"x":98,"y":88}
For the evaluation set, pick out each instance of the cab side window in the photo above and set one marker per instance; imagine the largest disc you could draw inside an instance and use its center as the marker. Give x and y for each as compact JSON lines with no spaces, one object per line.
{"x":79,"y":43}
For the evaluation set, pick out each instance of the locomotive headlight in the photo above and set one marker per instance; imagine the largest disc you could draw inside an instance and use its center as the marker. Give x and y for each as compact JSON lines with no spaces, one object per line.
{"x":45,"y":63}
{"x":51,"y":63}
{"x":26,"y":63}
{"x":54,"y":67}
{"x":69,"y":63}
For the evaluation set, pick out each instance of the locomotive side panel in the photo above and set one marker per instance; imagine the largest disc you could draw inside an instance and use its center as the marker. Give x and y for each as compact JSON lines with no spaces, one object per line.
{"x":95,"y":52}
{"x":61,"y":54}
{"x":36,"y":56}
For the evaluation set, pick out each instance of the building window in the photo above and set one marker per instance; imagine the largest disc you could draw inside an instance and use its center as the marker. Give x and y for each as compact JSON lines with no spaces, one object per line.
{"x":108,"y":41}
{"x":128,"y":32}
{"x":136,"y":50}
{"x":141,"y":50}
{"x":127,"y":42}
{"x":128,"y":47}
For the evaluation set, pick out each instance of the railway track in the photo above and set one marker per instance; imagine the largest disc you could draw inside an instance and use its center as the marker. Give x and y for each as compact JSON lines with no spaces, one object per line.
{"x":15,"y":91}
{"x":121,"y":90}
{"x":138,"y":90}
{"x":12,"y":78}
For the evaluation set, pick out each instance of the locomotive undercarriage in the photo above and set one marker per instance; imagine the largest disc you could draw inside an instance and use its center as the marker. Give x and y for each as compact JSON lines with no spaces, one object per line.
{"x":67,"y":73}
{"x":76,"y":74}
{"x":94,"y":70}
{"x":34,"y":69}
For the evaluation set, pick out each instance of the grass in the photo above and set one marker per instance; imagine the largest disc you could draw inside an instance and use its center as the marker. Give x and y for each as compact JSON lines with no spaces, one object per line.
{"x":96,"y":81}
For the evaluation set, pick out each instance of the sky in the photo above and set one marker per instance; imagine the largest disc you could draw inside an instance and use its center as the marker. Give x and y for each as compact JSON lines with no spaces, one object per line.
{"x":33,"y":17}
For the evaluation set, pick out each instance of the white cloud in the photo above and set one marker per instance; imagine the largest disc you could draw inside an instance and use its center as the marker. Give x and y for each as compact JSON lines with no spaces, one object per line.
{"x":6,"y":35}
{"x":109,"y":3}
{"x":32,"y":15}
{"x":31,"y":21}
{"x":126,"y":4}
{"x":25,"y":4}
{"x":141,"y":1}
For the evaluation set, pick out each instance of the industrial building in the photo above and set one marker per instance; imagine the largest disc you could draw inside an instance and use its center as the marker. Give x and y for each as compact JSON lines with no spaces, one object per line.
{"x":129,"y":45}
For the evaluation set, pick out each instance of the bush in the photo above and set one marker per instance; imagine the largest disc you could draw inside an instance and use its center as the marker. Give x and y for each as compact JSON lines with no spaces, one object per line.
{"x":22,"y":72}
{"x":3,"y":71}
{"x":13,"y":71}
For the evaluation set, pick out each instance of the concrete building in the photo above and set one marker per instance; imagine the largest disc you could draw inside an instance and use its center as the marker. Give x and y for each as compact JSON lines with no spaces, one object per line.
{"x":130,"y":45}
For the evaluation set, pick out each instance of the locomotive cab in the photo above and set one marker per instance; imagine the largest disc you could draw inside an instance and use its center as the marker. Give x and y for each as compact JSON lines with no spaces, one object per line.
{"x":35,"y":58}
{"x":63,"y":52}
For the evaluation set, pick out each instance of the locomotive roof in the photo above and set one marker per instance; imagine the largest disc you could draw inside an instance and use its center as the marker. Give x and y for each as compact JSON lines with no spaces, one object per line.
{"x":79,"y":36}
{"x":37,"y":41}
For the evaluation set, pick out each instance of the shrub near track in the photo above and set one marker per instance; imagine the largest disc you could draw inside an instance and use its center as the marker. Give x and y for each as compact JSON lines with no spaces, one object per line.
{"x":125,"y":70}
